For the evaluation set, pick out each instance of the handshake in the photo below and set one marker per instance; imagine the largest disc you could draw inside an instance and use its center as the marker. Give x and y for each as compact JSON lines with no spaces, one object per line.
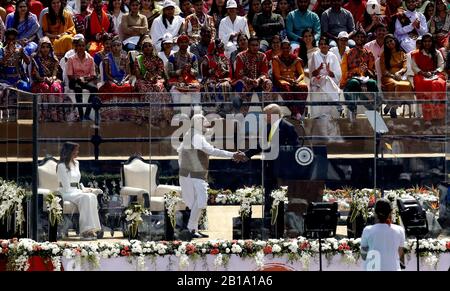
{"x":239,"y":157}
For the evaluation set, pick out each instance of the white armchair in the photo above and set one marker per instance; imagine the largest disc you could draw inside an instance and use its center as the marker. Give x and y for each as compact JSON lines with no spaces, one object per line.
{"x":48,"y":182}
{"x":139,"y":182}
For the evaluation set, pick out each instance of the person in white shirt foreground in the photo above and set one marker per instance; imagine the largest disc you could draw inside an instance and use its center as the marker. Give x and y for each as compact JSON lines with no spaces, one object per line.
{"x":382,"y":243}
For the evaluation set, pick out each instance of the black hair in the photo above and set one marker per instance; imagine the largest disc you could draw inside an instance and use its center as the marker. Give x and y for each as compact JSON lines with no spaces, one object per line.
{"x":122,"y":6}
{"x":65,"y":155}
{"x":51,"y":16}
{"x":432,"y":51}
{"x":215,"y":9}
{"x":303,"y":54}
{"x":387,"y":51}
{"x":16,"y":14}
{"x":383,"y":209}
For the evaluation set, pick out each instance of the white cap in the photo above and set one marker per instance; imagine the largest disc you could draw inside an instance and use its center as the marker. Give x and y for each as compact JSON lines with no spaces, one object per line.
{"x":231,"y":4}
{"x":373,"y":7}
{"x":168,"y":3}
{"x":343,"y":34}
{"x":167,"y":38}
{"x":78,"y":36}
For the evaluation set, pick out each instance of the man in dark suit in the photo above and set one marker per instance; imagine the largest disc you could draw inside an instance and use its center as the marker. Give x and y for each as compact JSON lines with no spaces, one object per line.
{"x":280,"y":134}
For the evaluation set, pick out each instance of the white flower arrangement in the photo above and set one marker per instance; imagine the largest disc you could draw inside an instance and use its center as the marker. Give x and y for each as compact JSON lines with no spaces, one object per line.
{"x":54,"y":209}
{"x":248,"y":196}
{"x":300,"y":249}
{"x":134,"y":217}
{"x":278,"y":195}
{"x":171,"y":200}
{"x":11,"y":199}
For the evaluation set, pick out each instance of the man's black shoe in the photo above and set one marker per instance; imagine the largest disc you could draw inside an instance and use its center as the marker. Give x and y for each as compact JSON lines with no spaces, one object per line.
{"x":202,"y":234}
{"x":195,"y":234}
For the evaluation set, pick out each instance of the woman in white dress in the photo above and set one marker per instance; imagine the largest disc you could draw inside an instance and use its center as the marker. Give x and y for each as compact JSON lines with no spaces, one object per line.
{"x":325,"y":76}
{"x":69,"y":176}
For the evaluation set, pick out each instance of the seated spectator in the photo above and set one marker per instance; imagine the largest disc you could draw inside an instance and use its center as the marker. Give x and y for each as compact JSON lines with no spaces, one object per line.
{"x":101,"y":55}
{"x":197,"y":21}
{"x":373,"y":18}
{"x":376,"y":46}
{"x":218,"y":12}
{"x":168,"y":22}
{"x":440,"y":23}
{"x":230,"y":26}
{"x":27,"y":26}
{"x":149,"y":10}
{"x":149,"y":69}
{"x":337,"y":19}
{"x":200,"y":49}
{"x":11,"y":62}
{"x":79,"y":18}
{"x":183,"y":70}
{"x":99,"y":27}
{"x":116,"y":74}
{"x":186,"y":8}
{"x":308,"y":46}
{"x":254,"y":7}
{"x":410,"y":25}
{"x":358,"y":73}
{"x":117,"y":9}
{"x":267,"y":24}
{"x":216,"y":72}
{"x":57,"y":24}
{"x":133,"y":25}
{"x":44,"y":72}
{"x":393,"y":9}
{"x":2,"y":12}
{"x":166,"y":50}
{"x":242,"y":45}
{"x":429,"y":78}
{"x":326,"y":75}
{"x":299,"y":20}
{"x":274,"y":51}
{"x":82,"y":75}
{"x":252,"y":72}
{"x":394,"y":82}
{"x":342,"y":46}
{"x":321,"y":6}
{"x":283,"y":8}
{"x":429,"y":10}
{"x":357,"y":8}
{"x":289,"y":77}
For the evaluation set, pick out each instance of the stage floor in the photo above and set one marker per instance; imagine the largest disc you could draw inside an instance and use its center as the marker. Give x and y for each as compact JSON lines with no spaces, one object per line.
{"x":220,"y":225}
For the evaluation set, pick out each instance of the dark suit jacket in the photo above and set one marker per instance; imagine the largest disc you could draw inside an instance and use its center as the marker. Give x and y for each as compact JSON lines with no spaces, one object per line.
{"x":287,"y":136}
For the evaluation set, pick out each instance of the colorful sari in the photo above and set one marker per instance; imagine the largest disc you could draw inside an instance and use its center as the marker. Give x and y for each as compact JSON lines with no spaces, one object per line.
{"x":150,"y":72}
{"x":117,"y":71}
{"x":42,"y":67}
{"x":27,"y":30}
{"x":11,"y":68}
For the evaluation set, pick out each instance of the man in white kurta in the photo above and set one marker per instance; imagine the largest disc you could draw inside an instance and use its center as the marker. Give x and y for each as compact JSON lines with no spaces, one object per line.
{"x":86,"y":201}
{"x":193,"y":159}
{"x":409,"y":26}
{"x":230,"y":26}
{"x":173,"y":24}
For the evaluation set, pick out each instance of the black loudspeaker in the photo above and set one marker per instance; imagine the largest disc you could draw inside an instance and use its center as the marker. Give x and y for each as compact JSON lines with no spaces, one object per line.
{"x":321,"y":219}
{"x":413,"y":217}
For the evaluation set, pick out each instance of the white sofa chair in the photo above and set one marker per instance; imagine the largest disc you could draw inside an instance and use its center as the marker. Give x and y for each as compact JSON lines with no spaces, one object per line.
{"x":48,"y":183}
{"x":139,"y":182}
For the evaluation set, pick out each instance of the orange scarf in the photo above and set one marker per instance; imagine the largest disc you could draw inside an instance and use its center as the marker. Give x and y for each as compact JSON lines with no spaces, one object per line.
{"x":95,"y":24}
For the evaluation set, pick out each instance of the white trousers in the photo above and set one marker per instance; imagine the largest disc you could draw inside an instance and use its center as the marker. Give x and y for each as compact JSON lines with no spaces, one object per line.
{"x":87,"y":206}
{"x":195,"y":196}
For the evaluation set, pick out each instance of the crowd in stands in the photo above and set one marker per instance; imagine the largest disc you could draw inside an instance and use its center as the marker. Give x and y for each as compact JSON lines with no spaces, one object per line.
{"x":210,"y":48}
